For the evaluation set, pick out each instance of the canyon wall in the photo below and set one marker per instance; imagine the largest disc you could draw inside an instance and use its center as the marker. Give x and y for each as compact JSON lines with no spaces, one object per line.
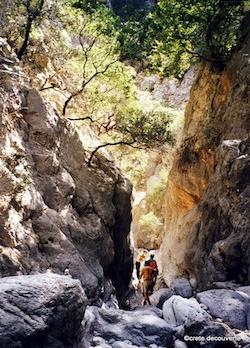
{"x":206,"y":207}
{"x":57,"y":214}
{"x":149,"y":193}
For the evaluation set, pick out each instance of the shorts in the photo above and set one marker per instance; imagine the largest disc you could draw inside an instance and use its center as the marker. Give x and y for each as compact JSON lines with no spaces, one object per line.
{"x":145,"y":286}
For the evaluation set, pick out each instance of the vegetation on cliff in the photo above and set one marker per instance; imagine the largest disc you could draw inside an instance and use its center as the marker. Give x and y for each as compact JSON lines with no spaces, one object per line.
{"x":88,"y":45}
{"x":172,"y":35}
{"x":80,"y":76}
{"x":84,"y":57}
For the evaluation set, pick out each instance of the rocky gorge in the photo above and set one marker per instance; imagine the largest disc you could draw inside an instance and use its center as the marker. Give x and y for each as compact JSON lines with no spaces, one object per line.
{"x":57,"y":214}
{"x":65,"y":256}
{"x":206,"y":208}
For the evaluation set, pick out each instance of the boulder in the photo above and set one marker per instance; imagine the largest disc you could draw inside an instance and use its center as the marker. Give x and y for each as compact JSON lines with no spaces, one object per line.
{"x":179,"y":344}
{"x":160,"y":296}
{"x":120,"y":344}
{"x":228,"y":305}
{"x":243,"y":337}
{"x":209,"y":335}
{"x":44,"y":310}
{"x":244,"y":289}
{"x":143,"y":327}
{"x":225,"y":285}
{"x":181,"y":311}
{"x":182,"y":287}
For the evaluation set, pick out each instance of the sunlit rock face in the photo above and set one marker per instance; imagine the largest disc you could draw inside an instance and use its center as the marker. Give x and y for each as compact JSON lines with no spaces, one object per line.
{"x":56,"y":213}
{"x":148,"y":210}
{"x":206,"y":213}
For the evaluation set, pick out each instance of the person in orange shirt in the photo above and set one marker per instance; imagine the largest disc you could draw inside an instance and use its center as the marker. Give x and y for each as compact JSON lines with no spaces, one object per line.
{"x":146,"y":279}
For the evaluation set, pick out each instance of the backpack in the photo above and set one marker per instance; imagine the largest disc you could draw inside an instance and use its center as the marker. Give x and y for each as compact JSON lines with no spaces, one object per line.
{"x":153,"y":265}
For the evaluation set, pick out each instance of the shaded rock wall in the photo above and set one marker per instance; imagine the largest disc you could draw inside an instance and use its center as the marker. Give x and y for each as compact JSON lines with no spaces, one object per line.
{"x":55,"y":212}
{"x":206,"y":231}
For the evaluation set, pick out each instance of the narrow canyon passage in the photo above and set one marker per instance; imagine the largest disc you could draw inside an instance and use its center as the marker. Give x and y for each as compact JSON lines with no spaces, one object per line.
{"x":124,"y":174}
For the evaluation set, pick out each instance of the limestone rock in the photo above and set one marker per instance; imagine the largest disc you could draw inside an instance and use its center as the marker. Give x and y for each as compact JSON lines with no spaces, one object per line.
{"x":142,"y":327}
{"x":173,"y":92}
{"x":179,"y":344}
{"x":170,"y":92}
{"x":180,"y":311}
{"x":211,"y":334}
{"x":40,"y":310}
{"x":160,"y":296}
{"x":56,"y":212}
{"x":179,"y":286}
{"x":228,"y":305}
{"x":206,"y":210}
{"x":244,"y":290}
{"x":182,"y":287}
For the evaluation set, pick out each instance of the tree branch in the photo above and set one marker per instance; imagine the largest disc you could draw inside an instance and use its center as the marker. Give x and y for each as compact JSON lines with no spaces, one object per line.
{"x":32,"y":15}
{"x":84,"y":84}
{"x":198,"y":55}
{"x":121,"y":142}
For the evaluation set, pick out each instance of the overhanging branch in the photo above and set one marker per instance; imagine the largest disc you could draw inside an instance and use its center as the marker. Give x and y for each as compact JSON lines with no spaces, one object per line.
{"x":120,"y":142}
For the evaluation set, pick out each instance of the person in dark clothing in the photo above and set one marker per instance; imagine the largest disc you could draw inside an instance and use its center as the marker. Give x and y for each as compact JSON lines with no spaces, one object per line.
{"x":153,"y":264}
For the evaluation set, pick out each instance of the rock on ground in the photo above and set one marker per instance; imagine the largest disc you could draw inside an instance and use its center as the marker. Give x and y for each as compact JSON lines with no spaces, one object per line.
{"x":222,"y":335}
{"x":179,"y":311}
{"x":117,"y":328}
{"x":182,"y":287}
{"x":179,"y":344}
{"x":38,"y":311}
{"x":160,"y":296}
{"x":228,"y":305}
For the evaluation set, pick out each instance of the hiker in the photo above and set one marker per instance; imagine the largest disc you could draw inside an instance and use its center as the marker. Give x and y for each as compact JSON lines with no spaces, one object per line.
{"x":140,"y":258}
{"x":153,"y":265}
{"x":146,"y":279}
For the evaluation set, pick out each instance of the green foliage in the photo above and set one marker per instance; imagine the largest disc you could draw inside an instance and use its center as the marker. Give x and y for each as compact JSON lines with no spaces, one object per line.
{"x":155,"y":193}
{"x":171,"y":37}
{"x":168,"y":38}
{"x":207,"y":29}
{"x":149,"y":223}
{"x":133,"y":162}
{"x":149,"y":129}
{"x":109,"y":103}
{"x":90,"y":6}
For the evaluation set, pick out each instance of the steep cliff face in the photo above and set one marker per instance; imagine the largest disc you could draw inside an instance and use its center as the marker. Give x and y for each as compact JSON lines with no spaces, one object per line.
{"x":56,"y":213}
{"x":149,"y":194}
{"x":207,"y":197}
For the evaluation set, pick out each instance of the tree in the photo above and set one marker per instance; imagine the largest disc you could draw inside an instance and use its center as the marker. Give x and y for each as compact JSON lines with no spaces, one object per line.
{"x":142,"y":130}
{"x":99,"y":65}
{"x":204,"y":29}
{"x":174,"y":34}
{"x":34,"y":10}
